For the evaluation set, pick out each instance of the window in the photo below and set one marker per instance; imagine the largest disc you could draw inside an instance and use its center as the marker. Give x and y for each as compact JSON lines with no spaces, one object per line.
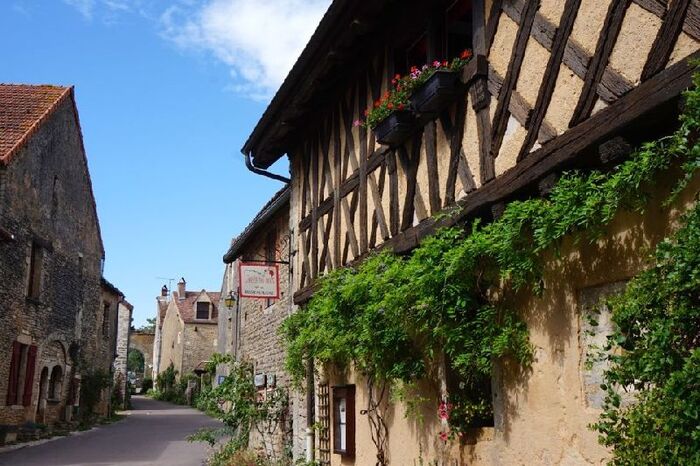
{"x":21,"y":377}
{"x":344,"y":420}
{"x":35,"y":266}
{"x":55,"y":383}
{"x":458,"y":28}
{"x":203,"y":311}
{"x":105,"y":319}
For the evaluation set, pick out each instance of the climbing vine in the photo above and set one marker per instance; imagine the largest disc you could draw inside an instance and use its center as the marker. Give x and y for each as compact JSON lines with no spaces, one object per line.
{"x":395,"y":318}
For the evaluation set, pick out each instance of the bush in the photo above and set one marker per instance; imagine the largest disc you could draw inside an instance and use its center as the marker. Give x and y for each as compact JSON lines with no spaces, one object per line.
{"x":146,"y":385}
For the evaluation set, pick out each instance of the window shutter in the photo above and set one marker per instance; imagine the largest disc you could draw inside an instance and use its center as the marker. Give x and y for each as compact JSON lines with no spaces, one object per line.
{"x":29,"y":379}
{"x":14,"y":374}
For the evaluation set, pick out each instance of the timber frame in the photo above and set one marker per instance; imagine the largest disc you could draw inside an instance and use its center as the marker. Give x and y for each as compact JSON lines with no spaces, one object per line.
{"x":352,"y":196}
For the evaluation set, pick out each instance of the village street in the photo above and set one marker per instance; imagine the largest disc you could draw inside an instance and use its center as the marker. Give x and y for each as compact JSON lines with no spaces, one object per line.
{"x":154,"y":433}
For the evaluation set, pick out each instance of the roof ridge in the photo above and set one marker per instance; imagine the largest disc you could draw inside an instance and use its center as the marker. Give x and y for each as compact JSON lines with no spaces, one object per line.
{"x":5,"y":159}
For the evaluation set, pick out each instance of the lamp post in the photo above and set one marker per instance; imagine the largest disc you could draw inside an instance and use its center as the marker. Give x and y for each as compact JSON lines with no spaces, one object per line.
{"x":230,"y":300}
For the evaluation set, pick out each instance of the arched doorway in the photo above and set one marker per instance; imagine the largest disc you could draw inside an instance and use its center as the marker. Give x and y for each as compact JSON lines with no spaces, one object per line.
{"x":41,"y":402}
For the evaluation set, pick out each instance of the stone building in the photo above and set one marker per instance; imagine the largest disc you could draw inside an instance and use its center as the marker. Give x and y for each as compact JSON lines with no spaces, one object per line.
{"x":249,"y":330}
{"x":51,"y":256}
{"x":188,"y":330}
{"x":124,"y":313}
{"x":552,"y":85}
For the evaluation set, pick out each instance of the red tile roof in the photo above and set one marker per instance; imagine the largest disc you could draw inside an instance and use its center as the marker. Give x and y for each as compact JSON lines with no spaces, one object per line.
{"x":187,"y":309}
{"x":23,"y":108}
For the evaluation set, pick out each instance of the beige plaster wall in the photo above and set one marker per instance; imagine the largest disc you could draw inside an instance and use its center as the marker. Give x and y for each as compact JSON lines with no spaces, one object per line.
{"x":542,"y":414}
{"x":171,"y":340}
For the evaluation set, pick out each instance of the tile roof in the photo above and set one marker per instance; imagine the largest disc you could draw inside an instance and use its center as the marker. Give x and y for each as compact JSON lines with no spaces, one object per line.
{"x":23,"y":108}
{"x":187,"y":309}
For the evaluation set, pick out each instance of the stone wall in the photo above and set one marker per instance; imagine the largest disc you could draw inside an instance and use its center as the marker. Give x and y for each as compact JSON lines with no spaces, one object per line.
{"x":143,"y":342}
{"x":171,"y":340}
{"x":47,"y":201}
{"x":199,"y":344}
{"x":120,"y":361}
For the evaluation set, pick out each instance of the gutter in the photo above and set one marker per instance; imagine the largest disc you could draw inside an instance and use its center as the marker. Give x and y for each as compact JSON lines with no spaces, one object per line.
{"x":259,"y":171}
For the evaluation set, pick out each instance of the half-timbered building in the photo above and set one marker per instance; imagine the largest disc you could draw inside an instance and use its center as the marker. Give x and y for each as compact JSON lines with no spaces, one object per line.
{"x":553,"y":85}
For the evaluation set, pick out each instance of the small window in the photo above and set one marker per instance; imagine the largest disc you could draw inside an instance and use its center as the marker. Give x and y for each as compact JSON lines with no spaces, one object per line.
{"x":458,"y":28}
{"x":35,"y":266}
{"x":203,"y":311}
{"x":344,"y":420}
{"x":105,"y":319}
{"x":56,"y":383}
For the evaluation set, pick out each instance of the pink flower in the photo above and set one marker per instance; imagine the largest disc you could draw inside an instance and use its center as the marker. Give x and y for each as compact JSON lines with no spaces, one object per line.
{"x":443,"y":436}
{"x":357,"y":123}
{"x":436,"y":64}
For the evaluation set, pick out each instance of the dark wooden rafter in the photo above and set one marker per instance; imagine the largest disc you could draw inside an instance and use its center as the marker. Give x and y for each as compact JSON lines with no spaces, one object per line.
{"x":606,"y":42}
{"x":665,"y":38}
{"x":612,"y":84}
{"x":431,"y":163}
{"x":500,"y":119}
{"x":661,"y":89}
{"x":492,"y":24}
{"x":544,"y":96}
{"x":337,"y":168}
{"x":314,"y":211}
{"x":458,"y":165}
{"x":519,"y":108}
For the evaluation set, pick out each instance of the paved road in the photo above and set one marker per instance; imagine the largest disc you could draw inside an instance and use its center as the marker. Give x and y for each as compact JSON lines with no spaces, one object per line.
{"x":152,"y":434}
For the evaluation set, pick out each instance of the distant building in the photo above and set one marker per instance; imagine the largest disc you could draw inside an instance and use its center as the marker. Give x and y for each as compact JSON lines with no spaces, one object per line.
{"x":249,"y":330}
{"x":51,"y":258}
{"x":187,"y":329}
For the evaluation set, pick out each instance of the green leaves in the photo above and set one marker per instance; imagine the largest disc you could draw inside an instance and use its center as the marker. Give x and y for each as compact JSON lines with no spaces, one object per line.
{"x":393,"y":317}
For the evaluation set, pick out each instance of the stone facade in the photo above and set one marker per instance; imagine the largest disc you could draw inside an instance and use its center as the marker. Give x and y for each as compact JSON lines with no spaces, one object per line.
{"x":122,"y":351}
{"x":187,"y":338}
{"x":251,"y":333}
{"x":51,"y":257}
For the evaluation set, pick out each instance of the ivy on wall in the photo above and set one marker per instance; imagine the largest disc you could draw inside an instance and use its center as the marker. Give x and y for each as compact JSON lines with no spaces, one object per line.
{"x":395,"y":318}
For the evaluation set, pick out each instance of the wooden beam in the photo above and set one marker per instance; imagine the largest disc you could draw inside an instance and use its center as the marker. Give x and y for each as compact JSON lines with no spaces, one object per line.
{"x":492,"y":25}
{"x":392,"y":171}
{"x":612,"y":85}
{"x":431,"y":161}
{"x":500,"y":119}
{"x":665,"y":38}
{"x":691,"y":24}
{"x":544,"y":96}
{"x":567,"y":148}
{"x":606,"y":43}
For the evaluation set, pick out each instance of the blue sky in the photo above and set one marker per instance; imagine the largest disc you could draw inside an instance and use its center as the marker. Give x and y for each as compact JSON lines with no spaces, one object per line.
{"x":168,"y":92}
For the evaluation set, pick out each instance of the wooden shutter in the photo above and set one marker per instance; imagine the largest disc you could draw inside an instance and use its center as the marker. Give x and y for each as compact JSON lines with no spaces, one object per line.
{"x":14,"y":373}
{"x":29,"y":378}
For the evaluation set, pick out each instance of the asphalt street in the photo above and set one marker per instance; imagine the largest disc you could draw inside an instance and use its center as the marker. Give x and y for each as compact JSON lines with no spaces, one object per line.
{"x":153,"y":433}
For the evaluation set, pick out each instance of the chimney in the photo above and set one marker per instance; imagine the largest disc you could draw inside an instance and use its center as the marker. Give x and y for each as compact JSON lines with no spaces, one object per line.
{"x":181,"y":288}
{"x":164,"y":292}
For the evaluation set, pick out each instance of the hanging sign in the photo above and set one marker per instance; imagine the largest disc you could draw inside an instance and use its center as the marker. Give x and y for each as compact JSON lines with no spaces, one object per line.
{"x":259,"y":280}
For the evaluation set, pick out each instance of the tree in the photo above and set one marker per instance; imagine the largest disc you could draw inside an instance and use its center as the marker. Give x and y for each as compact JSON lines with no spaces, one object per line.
{"x":135,"y":361}
{"x":150,"y":326}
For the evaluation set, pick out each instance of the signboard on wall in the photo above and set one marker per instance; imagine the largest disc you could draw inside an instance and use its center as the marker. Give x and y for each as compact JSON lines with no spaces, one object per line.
{"x":259,"y":280}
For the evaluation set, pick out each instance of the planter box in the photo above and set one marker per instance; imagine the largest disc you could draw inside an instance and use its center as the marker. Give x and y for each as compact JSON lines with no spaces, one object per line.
{"x":395,"y":128}
{"x":441,"y":89}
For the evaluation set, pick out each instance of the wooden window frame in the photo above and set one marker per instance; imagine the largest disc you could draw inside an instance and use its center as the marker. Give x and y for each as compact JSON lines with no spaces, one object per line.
{"x":346,"y":393}
{"x":209,"y":310}
{"x":22,"y":363}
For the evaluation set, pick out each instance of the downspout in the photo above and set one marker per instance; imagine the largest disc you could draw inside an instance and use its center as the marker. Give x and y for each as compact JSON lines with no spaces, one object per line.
{"x":259,"y":171}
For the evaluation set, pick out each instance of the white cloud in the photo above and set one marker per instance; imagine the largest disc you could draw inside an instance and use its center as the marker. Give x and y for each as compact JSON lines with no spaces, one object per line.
{"x":258,"y":39}
{"x":84,"y":7}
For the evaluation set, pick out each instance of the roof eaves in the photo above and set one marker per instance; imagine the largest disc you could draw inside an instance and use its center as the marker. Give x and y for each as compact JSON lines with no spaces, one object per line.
{"x":270,"y":209}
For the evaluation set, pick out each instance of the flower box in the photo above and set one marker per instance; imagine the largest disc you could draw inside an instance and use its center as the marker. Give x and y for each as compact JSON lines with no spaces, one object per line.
{"x":441,"y":89}
{"x":395,"y":128}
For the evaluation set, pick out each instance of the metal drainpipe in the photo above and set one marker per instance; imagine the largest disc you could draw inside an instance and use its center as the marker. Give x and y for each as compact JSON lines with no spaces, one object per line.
{"x":259,"y":171}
